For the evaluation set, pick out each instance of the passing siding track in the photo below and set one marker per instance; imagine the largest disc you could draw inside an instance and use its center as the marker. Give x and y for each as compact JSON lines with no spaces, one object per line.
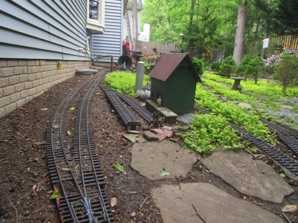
{"x":74,"y":167}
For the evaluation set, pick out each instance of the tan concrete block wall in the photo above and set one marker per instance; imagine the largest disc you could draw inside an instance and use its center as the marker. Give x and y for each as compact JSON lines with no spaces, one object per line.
{"x":23,"y":80}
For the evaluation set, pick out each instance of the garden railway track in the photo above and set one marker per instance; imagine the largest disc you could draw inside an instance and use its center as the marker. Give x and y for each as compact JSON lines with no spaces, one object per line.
{"x":74,"y":166}
{"x":75,"y":172}
{"x":143,"y":112}
{"x":129,"y":120}
{"x":288,"y":164}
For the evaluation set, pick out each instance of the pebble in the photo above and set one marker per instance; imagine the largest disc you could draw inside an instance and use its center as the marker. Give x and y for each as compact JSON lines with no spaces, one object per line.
{"x":27,"y":212}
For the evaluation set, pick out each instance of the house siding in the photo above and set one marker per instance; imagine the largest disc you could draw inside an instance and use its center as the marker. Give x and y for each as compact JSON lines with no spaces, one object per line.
{"x":36,"y":29}
{"x":40,"y":42}
{"x":110,"y":42}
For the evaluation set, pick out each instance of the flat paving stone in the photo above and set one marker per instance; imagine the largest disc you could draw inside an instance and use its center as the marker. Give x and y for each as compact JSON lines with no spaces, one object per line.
{"x":151,"y":159}
{"x":186,"y":118}
{"x":85,"y":71}
{"x":212,"y":204}
{"x":251,"y":177}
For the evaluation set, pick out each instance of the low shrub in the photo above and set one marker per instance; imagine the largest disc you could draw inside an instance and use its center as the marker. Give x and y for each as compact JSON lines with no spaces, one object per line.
{"x":227,"y":66}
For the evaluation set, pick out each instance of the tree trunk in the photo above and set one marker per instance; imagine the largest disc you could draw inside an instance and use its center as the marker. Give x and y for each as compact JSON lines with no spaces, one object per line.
{"x":190,"y":33}
{"x":240,"y":32}
{"x":264,"y":51}
{"x":135,"y":23}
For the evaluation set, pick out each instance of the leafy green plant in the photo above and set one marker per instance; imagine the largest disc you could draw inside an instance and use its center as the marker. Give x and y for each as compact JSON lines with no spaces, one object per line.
{"x":227,"y":66}
{"x":241,"y":69}
{"x":199,"y":65}
{"x":207,"y":132}
{"x":287,"y":72}
{"x":215,"y":66}
{"x":124,"y":82}
{"x":255,"y":67}
{"x":248,"y":120}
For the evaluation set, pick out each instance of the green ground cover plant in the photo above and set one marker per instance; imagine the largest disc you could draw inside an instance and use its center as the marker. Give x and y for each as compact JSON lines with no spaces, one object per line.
{"x":124,"y":82}
{"x":266,"y":95}
{"x":268,"y":88}
{"x":228,"y":93}
{"x":247,"y":119}
{"x":209,"y":131}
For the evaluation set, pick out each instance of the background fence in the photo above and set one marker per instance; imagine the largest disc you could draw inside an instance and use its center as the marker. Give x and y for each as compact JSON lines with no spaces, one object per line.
{"x":147,"y":48}
{"x":277,"y":45}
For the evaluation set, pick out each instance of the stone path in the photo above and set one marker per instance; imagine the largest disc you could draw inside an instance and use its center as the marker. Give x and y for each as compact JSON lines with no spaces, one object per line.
{"x":152,"y":159}
{"x":212,"y":204}
{"x":250,"y":177}
{"x":204,"y":202}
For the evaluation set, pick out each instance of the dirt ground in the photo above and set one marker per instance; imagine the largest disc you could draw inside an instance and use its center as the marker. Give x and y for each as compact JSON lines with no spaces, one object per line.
{"x":25,"y":183}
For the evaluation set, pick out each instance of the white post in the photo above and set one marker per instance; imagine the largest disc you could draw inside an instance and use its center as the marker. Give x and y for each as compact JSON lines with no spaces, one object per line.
{"x":140,"y":75}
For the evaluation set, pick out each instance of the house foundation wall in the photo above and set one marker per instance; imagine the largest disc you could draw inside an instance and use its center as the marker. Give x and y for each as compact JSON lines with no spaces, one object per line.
{"x":23,"y":80}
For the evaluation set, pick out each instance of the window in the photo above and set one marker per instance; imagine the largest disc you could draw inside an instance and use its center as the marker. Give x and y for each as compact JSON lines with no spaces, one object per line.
{"x":95,"y":15}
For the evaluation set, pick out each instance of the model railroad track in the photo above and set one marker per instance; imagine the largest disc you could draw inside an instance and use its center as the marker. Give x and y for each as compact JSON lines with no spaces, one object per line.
{"x":143,"y":112}
{"x":75,"y":172}
{"x":287,"y":163}
{"x":129,"y":120}
{"x":288,"y":137}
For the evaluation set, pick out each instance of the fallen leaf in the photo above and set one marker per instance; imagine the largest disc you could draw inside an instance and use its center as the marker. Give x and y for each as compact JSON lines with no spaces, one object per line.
{"x":34,"y":187}
{"x":113,"y":201}
{"x":55,"y":194}
{"x":174,"y":140}
{"x":118,"y":167}
{"x":68,"y":132}
{"x":72,"y":108}
{"x":282,"y":175}
{"x":55,"y":126}
{"x":38,"y":144}
{"x":65,"y":169}
{"x":164,"y":174}
{"x":290,"y":208}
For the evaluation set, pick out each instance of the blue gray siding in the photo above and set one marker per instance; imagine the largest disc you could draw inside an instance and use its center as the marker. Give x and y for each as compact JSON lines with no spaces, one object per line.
{"x":43,"y":29}
{"x":110,"y":42}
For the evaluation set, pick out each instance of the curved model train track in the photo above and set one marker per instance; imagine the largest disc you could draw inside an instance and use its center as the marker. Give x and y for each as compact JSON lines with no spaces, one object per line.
{"x":75,"y":171}
{"x":287,"y":163}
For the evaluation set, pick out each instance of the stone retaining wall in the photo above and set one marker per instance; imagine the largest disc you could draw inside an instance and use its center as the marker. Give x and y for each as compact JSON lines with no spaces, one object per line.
{"x":23,"y":80}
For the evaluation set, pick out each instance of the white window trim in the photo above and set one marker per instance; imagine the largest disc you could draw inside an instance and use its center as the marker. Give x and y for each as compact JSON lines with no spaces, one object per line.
{"x":96,"y":26}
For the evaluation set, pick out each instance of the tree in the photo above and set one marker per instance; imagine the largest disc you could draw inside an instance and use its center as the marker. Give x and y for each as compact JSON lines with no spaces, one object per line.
{"x":227,"y":66}
{"x":255,"y":67}
{"x":241,"y":69}
{"x":285,"y":17}
{"x":287,"y":72}
{"x":240,"y":32}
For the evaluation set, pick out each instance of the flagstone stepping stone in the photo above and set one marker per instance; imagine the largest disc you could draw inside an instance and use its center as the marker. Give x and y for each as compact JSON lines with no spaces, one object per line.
{"x":159,"y":160}
{"x":193,"y":202}
{"x":251,"y":177}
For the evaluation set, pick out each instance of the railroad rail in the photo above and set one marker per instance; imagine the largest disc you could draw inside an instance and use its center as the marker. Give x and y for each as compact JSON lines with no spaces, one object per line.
{"x":148,"y":116}
{"x":75,"y":171}
{"x":129,"y":120}
{"x":288,"y":137}
{"x":287,"y":163}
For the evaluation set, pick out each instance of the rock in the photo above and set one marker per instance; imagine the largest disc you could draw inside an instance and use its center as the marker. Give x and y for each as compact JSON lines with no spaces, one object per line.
{"x":286,"y":107}
{"x":192,"y":202}
{"x":150,"y":136}
{"x":250,"y":177}
{"x":245,"y":105}
{"x":153,"y":158}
